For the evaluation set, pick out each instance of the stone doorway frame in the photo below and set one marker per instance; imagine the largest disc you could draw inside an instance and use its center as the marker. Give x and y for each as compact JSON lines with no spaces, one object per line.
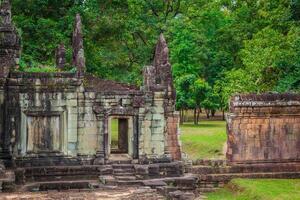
{"x":130,"y":135}
{"x":103,"y":115}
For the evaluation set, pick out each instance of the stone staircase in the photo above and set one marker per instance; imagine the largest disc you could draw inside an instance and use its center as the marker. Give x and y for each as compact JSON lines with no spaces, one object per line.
{"x":7,"y":178}
{"x":167,"y":178}
{"x":7,"y":181}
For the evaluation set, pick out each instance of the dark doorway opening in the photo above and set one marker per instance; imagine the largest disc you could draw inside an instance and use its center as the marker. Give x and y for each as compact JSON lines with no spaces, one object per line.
{"x":119,"y":136}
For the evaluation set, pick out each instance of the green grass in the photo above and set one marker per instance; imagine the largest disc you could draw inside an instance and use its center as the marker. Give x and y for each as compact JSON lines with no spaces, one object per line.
{"x":114,"y":133}
{"x":259,"y":189}
{"x":205,"y":140}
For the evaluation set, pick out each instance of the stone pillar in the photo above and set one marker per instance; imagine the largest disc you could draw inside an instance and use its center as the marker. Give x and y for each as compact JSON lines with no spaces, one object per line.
{"x":60,"y":56}
{"x":163,"y":118}
{"x":9,"y":59}
{"x":9,"y":41}
{"x":100,"y":154}
{"x":78,"y":50}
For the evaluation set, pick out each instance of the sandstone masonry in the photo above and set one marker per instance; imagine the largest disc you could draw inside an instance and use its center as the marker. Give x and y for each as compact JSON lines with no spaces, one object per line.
{"x":64,"y":118}
{"x":264,"y":128}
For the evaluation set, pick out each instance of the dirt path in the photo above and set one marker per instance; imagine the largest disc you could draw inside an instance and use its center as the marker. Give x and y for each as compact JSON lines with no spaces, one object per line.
{"x":111,"y":194}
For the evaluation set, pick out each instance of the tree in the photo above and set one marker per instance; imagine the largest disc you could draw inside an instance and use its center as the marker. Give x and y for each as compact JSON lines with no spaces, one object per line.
{"x":184,"y":87}
{"x":199,"y":90}
{"x":210,"y":103}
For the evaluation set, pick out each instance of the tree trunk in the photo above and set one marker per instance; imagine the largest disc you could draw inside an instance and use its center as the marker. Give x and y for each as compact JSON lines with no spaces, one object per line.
{"x":198,"y":115}
{"x":181,"y":116}
{"x":213,"y":112}
{"x":207,"y":113}
{"x":184,"y":115}
{"x":223,"y":114}
{"x":195,"y":116}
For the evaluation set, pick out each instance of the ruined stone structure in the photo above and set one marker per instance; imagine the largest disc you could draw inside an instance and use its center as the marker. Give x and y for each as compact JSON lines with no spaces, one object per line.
{"x":264,"y":128}
{"x":263,"y":142}
{"x":66,"y":118}
{"x":60,"y":55}
{"x":56,"y":128}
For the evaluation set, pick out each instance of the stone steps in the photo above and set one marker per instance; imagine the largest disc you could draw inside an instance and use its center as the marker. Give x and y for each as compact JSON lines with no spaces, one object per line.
{"x":70,"y":173}
{"x":126,"y":178}
{"x":113,"y":181}
{"x":86,"y":177}
{"x":7,"y":181}
{"x":228,"y":177}
{"x":114,"y":162}
{"x":122,"y":171}
{"x":61,"y":185}
{"x":52,"y":161}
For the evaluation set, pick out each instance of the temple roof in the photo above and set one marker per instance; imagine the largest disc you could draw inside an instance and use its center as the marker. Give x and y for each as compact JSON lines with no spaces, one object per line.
{"x":93,"y":83}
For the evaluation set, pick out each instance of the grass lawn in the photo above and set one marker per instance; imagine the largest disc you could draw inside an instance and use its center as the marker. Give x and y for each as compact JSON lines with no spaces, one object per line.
{"x":259,"y":189}
{"x":114,"y":133}
{"x":205,"y":140}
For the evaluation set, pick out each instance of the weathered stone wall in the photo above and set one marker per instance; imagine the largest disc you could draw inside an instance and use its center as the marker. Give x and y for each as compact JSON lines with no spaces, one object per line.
{"x":172,"y":138}
{"x":119,"y":105}
{"x":264,"y":128}
{"x":34,"y":96}
{"x":152,"y":138}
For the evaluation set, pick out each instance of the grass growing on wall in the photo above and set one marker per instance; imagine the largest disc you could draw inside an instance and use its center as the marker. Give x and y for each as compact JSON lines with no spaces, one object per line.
{"x":205,"y":140}
{"x":259,"y":189}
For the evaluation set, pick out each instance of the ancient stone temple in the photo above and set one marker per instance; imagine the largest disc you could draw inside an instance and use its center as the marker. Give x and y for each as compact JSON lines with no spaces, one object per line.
{"x":64,"y":130}
{"x":66,"y":117}
{"x":59,"y":126}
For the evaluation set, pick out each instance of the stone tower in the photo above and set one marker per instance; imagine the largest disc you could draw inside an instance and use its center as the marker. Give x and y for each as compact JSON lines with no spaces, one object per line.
{"x":158,"y":82}
{"x":9,"y":40}
{"x":78,"y":50}
{"x":163,"y":69}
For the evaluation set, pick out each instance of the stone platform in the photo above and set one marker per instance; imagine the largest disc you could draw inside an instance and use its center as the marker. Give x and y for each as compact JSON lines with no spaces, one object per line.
{"x":156,"y":180}
{"x":212,"y":175}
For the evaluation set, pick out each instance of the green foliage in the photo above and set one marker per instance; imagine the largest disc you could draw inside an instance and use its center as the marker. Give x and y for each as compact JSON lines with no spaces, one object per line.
{"x":184,"y":85}
{"x":41,"y":69}
{"x":224,"y":47}
{"x":211,"y":102}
